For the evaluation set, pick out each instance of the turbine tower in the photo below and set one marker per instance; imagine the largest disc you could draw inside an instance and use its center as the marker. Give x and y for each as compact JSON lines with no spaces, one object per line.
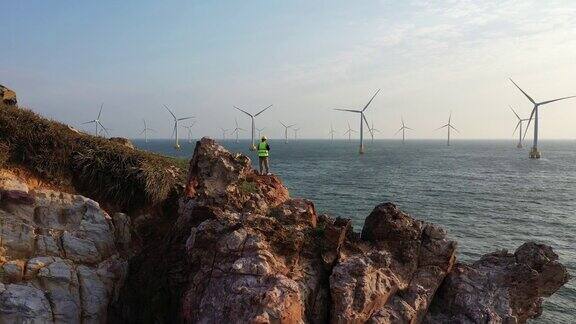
{"x":260,"y":131}
{"x":146,"y":130}
{"x":404,"y":128}
{"x":372,"y":131}
{"x":449,"y":126}
{"x":189,"y":128}
{"x":175,"y":131}
{"x":362,"y":120}
{"x":331,"y":133}
{"x":98,"y":123}
{"x":349,"y":133}
{"x":253,"y":147}
{"x":518,"y":125}
{"x":224,"y":130}
{"x":286,"y":131}
{"x":534,"y":153}
{"x":237,"y":130}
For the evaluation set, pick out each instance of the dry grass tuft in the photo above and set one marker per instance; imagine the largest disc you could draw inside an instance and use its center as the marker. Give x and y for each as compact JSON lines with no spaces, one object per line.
{"x":95,"y":167}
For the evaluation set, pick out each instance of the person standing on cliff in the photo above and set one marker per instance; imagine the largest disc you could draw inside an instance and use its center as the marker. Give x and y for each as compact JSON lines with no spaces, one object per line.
{"x":263,"y":154}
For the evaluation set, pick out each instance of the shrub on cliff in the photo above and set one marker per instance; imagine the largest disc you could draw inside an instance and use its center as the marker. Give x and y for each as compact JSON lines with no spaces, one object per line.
{"x":103,"y":170}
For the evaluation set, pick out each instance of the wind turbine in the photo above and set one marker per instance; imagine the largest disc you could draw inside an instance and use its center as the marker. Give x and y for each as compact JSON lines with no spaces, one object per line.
{"x":404,"y":128}
{"x":372,"y":131}
{"x":286,"y":131}
{"x":331,"y":133}
{"x":362,"y":120}
{"x":145,"y":131}
{"x":260,"y":131}
{"x":175,"y":131}
{"x":534,"y":153}
{"x":224,"y":130}
{"x":518,"y":125}
{"x":97,"y":122}
{"x":349,"y":132}
{"x":237,"y":130}
{"x":189,"y":128}
{"x":449,"y":126}
{"x":253,"y":147}
{"x":296,"y":133}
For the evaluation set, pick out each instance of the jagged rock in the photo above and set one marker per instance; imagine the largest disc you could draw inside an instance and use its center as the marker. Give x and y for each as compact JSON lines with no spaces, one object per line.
{"x":8,"y":96}
{"x":240,"y":250}
{"x":499,"y":288}
{"x":23,"y":303}
{"x":58,"y":258}
{"x":122,"y":141}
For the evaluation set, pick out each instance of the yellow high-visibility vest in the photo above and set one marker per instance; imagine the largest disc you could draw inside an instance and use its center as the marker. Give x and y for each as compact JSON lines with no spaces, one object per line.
{"x":262,"y":150}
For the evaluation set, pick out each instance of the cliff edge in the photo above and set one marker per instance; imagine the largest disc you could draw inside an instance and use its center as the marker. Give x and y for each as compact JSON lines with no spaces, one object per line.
{"x":242,"y":250}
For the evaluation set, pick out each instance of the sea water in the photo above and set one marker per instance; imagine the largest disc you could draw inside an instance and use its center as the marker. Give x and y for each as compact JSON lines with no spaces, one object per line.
{"x":488,"y":195}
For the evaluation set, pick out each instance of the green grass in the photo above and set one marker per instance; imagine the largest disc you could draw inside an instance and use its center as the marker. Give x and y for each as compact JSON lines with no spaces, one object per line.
{"x":107,"y":172}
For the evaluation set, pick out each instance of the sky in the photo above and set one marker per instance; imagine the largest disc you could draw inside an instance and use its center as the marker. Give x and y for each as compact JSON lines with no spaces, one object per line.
{"x":429,"y":58}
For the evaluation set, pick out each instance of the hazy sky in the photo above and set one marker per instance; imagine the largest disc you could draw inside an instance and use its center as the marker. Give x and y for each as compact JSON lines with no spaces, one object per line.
{"x":64,"y":58}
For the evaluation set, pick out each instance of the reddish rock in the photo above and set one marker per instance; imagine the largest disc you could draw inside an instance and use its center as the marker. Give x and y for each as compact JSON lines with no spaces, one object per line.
{"x":501,"y":287}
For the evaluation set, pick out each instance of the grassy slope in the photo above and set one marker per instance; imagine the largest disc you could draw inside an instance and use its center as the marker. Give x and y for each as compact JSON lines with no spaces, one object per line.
{"x":95,"y":167}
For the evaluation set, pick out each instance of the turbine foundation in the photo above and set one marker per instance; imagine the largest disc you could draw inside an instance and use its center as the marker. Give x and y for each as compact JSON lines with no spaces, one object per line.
{"x":534,"y":153}
{"x":519,"y":145}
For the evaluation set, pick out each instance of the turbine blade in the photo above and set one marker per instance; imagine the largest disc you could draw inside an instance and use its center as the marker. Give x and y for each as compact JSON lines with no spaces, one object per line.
{"x":263,"y":110}
{"x":442,"y":127}
{"x":516,"y":128}
{"x":366,"y":121}
{"x":398,"y":131}
{"x":514,"y":112}
{"x":549,"y":101}
{"x":100,"y":112}
{"x":369,"y":102}
{"x":454,"y":128}
{"x":529,"y":121}
{"x":104,"y":128}
{"x":185,"y":118}
{"x":409,"y":128}
{"x":244,"y":111}
{"x":170,"y":111}
{"x":88,"y":122}
{"x":349,"y":110}
{"x":527,"y":96}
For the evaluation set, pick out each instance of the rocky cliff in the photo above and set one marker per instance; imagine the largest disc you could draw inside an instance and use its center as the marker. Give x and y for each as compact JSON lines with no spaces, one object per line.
{"x":242,"y":250}
{"x":232,"y":247}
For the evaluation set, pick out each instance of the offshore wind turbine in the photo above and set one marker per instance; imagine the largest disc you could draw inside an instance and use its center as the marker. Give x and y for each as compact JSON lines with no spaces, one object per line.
{"x":296,"y":133}
{"x":362,"y":120}
{"x":237,"y":130}
{"x":97,"y":123}
{"x":286,"y":131}
{"x":145,"y":131}
{"x":349,"y":133}
{"x":404,"y":128}
{"x":252,"y":116}
{"x":260,"y":131}
{"x":372,"y":131}
{"x":518,"y":125}
{"x":224,"y":130}
{"x":189,"y":128}
{"x":331,"y":133}
{"x":175,"y":131}
{"x":534,"y":153}
{"x":449,"y":127}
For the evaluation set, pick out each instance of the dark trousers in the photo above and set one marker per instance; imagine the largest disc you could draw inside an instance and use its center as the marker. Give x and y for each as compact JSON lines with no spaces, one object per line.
{"x":263,"y":164}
